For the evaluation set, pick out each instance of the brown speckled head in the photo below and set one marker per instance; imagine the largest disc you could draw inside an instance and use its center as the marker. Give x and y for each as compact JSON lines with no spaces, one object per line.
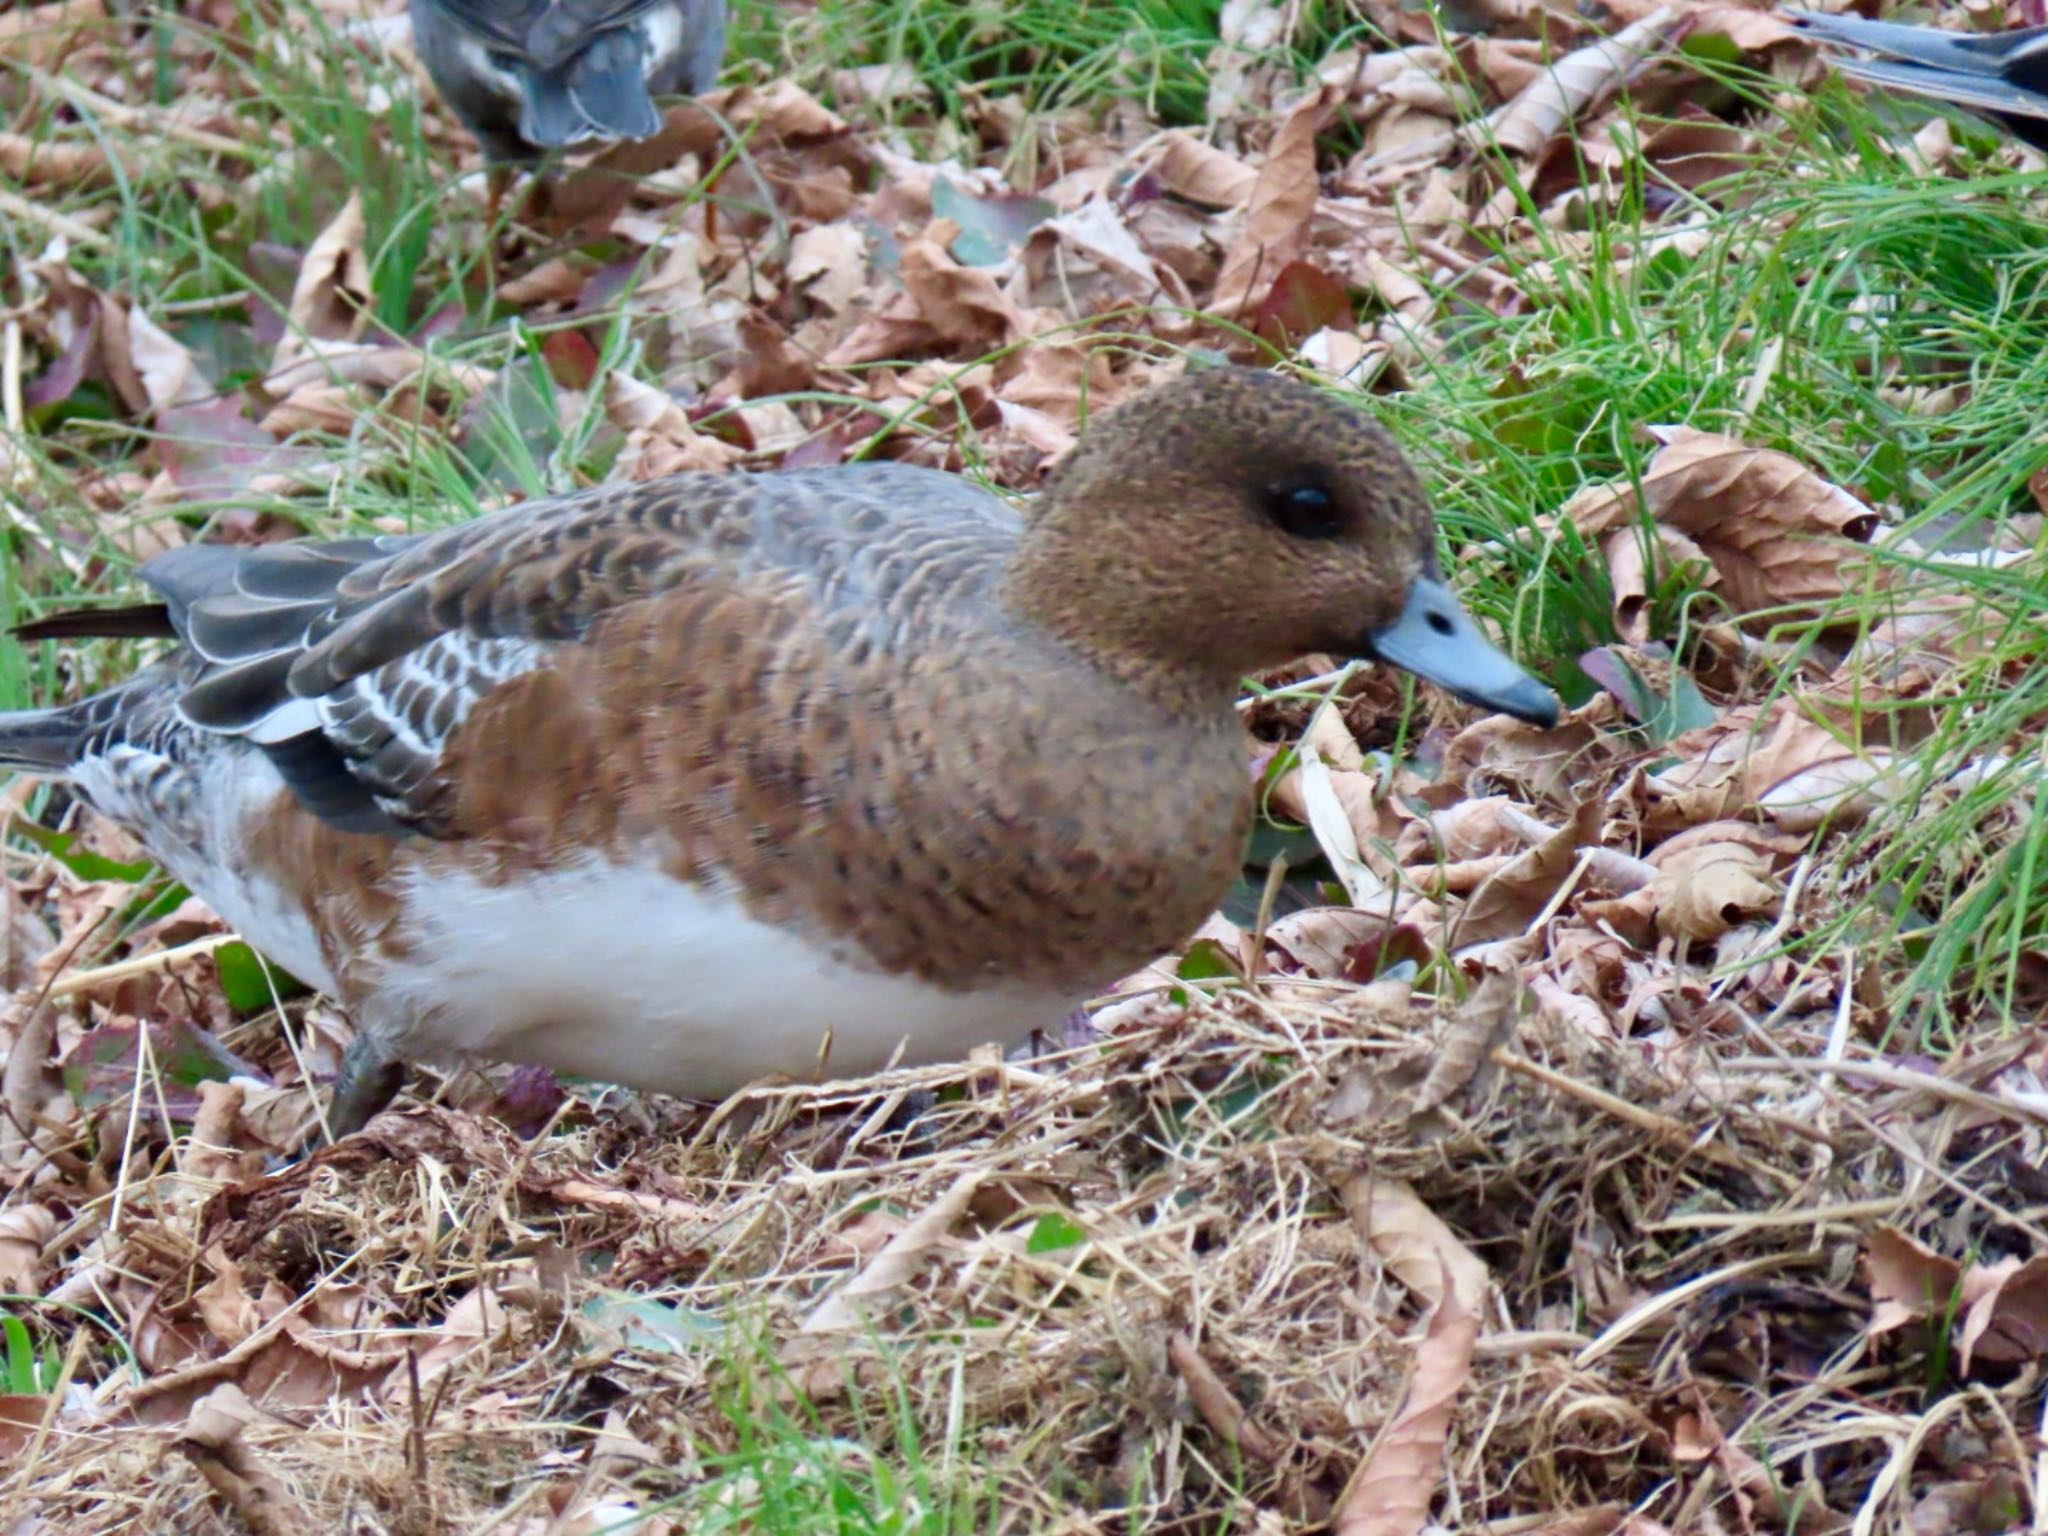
{"x":1222,"y":523}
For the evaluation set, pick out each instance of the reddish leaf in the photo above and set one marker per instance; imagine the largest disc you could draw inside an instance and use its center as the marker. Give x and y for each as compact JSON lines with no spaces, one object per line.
{"x":571,"y":359}
{"x":1304,"y":299}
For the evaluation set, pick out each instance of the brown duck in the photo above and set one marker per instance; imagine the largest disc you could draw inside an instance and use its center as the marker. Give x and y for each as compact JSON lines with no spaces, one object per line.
{"x":685,"y":783}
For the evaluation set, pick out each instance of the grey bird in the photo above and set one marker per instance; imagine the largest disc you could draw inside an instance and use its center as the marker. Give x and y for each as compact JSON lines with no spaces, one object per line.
{"x":533,"y":76}
{"x":2002,"y":76}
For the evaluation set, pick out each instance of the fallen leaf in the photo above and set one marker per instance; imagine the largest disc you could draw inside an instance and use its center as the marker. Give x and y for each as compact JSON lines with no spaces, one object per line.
{"x":1199,"y":172}
{"x":331,"y":296}
{"x":1908,"y":1280}
{"x":1390,"y":1493}
{"x":25,"y":1230}
{"x":899,"y":1259}
{"x":1277,"y":218}
{"x":1575,"y":82}
{"x":2006,"y":1321}
{"x":168,"y":372}
{"x":1515,"y":896}
{"x":1771,"y":528}
{"x":1704,"y":891}
{"x":1414,"y":1243}
{"x":660,"y":440}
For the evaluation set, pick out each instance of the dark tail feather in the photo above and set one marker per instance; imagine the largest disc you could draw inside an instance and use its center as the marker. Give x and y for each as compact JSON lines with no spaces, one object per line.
{"x":41,"y":741}
{"x":609,"y":82}
{"x":599,"y":94}
{"x":1978,"y":54}
{"x":1975,"y":93}
{"x":143,"y":621}
{"x":550,"y":118}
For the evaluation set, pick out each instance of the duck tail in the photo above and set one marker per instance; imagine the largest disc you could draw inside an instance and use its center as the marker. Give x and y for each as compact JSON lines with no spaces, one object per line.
{"x":601,"y":93}
{"x":45,"y":742}
{"x":1965,"y":53}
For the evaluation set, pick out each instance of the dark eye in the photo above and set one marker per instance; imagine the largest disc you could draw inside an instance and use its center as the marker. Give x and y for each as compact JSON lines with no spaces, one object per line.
{"x":1304,"y":509}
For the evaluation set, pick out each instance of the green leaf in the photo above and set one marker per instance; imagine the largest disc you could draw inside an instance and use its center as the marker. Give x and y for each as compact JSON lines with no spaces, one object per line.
{"x":1053,"y":1231}
{"x":248,"y":979}
{"x":23,"y":1377}
{"x":991,"y":226}
{"x":1205,"y":961}
{"x":652,"y":1328}
{"x":82,"y":862}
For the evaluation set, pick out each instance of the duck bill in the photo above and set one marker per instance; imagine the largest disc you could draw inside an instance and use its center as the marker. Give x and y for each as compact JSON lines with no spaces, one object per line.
{"x":1436,"y":639}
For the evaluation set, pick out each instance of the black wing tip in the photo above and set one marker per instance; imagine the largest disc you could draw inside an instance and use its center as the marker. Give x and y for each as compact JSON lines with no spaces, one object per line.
{"x":137,"y":621}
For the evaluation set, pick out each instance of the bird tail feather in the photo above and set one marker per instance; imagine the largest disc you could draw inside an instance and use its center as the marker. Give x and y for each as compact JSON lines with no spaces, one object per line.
{"x":1971,"y":54}
{"x":599,"y":94}
{"x":1975,"y":93}
{"x":41,"y":741}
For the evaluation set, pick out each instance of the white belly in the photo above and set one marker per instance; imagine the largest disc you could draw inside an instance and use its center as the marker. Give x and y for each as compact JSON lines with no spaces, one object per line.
{"x":631,"y":976}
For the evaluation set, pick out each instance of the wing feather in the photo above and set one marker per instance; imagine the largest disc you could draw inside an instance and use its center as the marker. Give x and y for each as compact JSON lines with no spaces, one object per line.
{"x":354,"y":663}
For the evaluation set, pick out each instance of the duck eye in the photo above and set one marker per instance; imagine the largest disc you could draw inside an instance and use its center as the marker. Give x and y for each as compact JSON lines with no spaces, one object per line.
{"x":1304,"y":509}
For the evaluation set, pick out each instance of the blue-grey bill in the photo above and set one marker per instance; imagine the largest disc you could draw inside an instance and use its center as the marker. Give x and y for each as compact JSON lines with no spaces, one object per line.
{"x":1436,"y":639}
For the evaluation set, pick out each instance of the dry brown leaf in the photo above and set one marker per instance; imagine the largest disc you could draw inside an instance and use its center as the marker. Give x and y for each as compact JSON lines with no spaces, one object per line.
{"x":1199,"y":172}
{"x":24,"y":1232}
{"x":1484,"y":826}
{"x":829,"y":262}
{"x":212,"y":1441}
{"x":42,"y":34}
{"x":964,"y":305}
{"x":2006,"y":1320}
{"x":21,"y":1415}
{"x":331,"y":296}
{"x":1750,"y":30}
{"x":1322,"y":940}
{"x":169,"y":374}
{"x":1217,"y":1404}
{"x":44,"y":163}
{"x":1575,"y":82}
{"x":1413,"y":1242}
{"x":1484,"y":1020}
{"x":555,"y":281}
{"x":1639,"y":561}
{"x":329,"y":408}
{"x":1706,"y":890}
{"x":1503,"y":753}
{"x":1772,"y":529}
{"x":1475,"y":1029}
{"x":212,"y":1153}
{"x":1276,"y":224}
{"x":1785,"y":758}
{"x":1390,"y":1494}
{"x":660,"y":440}
{"x":1908,"y":1280}
{"x":1516,"y":895}
{"x":1330,"y":819}
{"x":900,"y":1258}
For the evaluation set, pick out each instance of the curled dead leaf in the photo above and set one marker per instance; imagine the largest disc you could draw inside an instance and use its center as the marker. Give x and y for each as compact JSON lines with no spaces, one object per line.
{"x":1704,"y":891}
{"x":1575,"y":82}
{"x":1414,"y":1243}
{"x":331,"y":296}
{"x":1277,"y":218}
{"x":1772,"y":529}
{"x":660,"y":439}
{"x":1390,"y":1493}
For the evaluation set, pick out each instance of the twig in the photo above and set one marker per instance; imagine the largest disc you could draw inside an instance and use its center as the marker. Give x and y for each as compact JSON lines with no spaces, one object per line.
{"x":1663,"y":1127}
{"x":17,"y":207}
{"x":139,"y":965}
